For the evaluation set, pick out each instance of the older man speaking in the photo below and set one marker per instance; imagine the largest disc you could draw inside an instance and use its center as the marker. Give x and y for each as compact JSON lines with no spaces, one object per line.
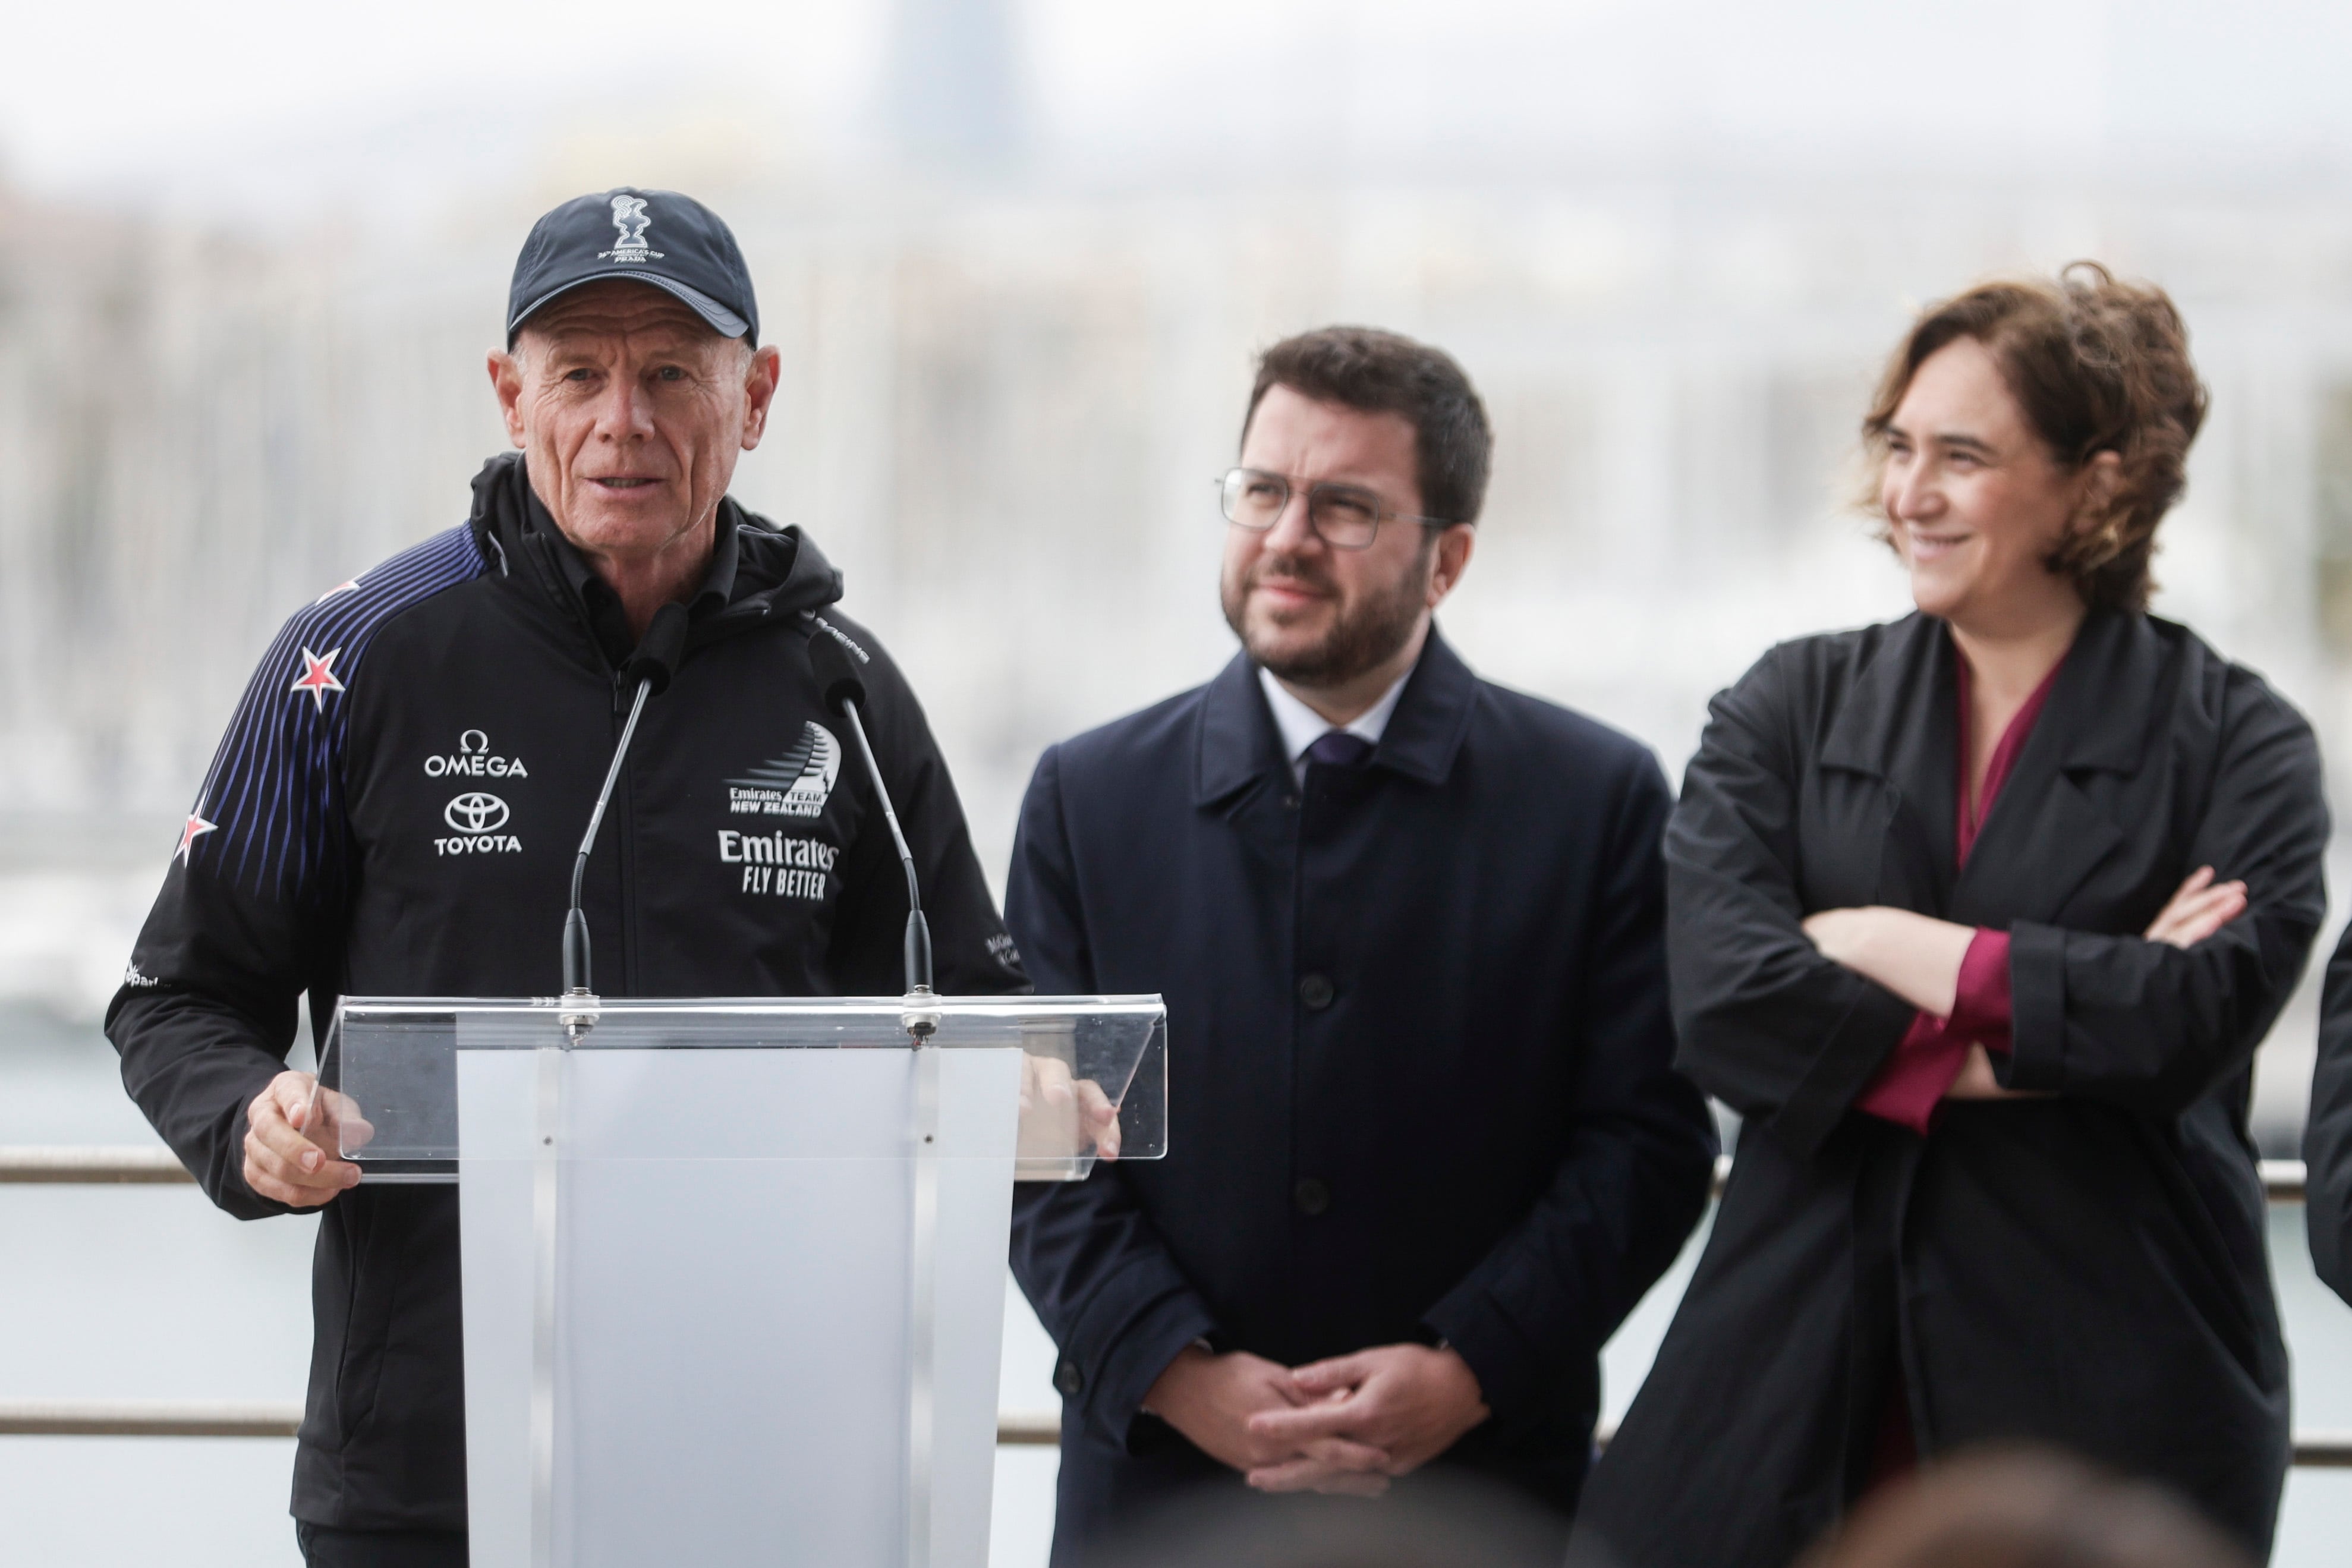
{"x":395,"y":807}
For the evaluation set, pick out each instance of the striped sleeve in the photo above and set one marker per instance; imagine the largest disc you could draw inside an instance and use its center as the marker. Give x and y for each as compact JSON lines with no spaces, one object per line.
{"x":249,"y":915}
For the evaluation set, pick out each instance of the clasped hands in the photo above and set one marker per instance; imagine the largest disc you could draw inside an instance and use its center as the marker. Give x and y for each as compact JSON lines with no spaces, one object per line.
{"x":1346,"y":1426}
{"x":1919,"y":957}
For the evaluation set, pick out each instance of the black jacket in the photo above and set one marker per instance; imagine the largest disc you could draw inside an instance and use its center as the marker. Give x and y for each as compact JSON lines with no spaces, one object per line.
{"x":2087,"y":1270}
{"x":2327,"y":1136}
{"x":394,"y":812}
{"x":1417,"y":1049}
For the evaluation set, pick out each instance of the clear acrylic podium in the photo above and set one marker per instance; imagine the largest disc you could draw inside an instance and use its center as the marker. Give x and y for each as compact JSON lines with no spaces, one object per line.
{"x":734,"y":1270}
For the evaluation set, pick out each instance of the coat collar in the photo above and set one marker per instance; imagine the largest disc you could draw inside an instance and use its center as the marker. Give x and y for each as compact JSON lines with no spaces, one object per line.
{"x":2100,"y":710}
{"x":2043,"y":837}
{"x":1238,"y":743}
{"x":2107,"y":701}
{"x":756,"y":568}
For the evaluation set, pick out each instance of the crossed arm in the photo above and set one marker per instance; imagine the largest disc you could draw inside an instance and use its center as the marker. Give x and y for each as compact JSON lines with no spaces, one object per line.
{"x":1919,"y":957}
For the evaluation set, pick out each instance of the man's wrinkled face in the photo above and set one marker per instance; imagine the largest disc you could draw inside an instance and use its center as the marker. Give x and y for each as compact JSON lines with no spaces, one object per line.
{"x":1306,"y":611}
{"x":631,"y":413}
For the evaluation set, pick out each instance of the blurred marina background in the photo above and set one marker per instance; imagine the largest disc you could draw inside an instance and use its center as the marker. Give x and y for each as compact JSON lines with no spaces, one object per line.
{"x":1018,"y":256}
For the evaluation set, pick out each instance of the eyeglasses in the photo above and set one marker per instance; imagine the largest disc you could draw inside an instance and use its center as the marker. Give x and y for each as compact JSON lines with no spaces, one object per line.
{"x":1345,"y":517}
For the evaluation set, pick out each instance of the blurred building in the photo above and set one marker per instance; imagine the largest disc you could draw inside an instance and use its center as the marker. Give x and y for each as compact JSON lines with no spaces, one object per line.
{"x":1004,"y":400}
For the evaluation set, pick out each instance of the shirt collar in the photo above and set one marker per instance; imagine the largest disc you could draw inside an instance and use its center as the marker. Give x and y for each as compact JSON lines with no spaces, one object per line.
{"x":603,"y":605}
{"x":1236,"y":744}
{"x":717,"y":579}
{"x":1301,"y":726}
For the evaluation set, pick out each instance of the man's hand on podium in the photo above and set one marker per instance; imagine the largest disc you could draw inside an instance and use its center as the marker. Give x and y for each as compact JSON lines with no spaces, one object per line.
{"x":1217,"y":1401}
{"x":1063,"y":1115}
{"x":1407,"y":1403}
{"x":281,"y":1161}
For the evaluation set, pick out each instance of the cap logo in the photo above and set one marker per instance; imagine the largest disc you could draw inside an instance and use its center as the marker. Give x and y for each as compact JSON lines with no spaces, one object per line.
{"x":629,"y":217}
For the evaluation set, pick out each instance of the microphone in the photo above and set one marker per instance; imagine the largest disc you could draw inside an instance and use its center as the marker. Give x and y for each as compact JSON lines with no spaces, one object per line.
{"x":658,"y":656}
{"x":845,"y":693}
{"x":651,"y":667}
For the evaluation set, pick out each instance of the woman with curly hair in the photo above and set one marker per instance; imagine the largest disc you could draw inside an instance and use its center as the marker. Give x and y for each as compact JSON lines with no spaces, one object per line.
{"x":1977,"y":919}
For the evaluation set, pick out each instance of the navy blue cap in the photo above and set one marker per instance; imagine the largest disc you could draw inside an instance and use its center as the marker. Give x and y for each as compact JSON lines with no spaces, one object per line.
{"x":672,"y":242}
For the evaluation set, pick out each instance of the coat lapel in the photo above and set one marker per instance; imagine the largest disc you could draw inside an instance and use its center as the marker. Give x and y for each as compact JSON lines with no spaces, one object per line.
{"x":2044,"y":835}
{"x":1897,"y":725}
{"x":1432,"y":714}
{"x":1237,"y":743}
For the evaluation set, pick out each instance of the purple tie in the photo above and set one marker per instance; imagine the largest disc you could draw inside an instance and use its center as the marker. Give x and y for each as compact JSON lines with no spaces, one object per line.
{"x":1339,"y":749}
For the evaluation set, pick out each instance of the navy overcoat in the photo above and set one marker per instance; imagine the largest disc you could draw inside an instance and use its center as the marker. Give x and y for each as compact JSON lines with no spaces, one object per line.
{"x":1419,"y":1064}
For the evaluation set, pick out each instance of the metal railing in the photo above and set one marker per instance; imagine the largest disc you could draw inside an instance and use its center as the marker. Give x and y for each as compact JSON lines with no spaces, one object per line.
{"x":226,"y":1418}
{"x":2282,"y":1180}
{"x":85,"y":1164}
{"x":136,"y":1163}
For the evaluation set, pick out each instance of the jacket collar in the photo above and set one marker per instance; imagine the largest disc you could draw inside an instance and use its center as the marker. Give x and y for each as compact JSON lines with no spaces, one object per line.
{"x":1903,"y":691}
{"x":2100,"y":710}
{"x":2107,"y":701}
{"x":1238,"y":743}
{"x":717,"y":579}
{"x":2043,"y":835}
{"x":755,"y":568}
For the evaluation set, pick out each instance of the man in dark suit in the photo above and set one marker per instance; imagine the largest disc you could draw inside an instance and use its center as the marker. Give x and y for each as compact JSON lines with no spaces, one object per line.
{"x":1426,"y":1148}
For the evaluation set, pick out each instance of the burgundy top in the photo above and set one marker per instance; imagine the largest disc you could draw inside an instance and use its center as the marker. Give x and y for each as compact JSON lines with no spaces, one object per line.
{"x":1909,"y":1086}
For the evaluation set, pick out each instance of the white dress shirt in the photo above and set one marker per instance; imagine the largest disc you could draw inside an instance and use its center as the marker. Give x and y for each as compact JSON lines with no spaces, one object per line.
{"x":1301,"y":726}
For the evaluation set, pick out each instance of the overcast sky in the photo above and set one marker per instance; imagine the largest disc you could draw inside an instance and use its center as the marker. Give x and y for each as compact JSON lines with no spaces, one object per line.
{"x":269,"y":98}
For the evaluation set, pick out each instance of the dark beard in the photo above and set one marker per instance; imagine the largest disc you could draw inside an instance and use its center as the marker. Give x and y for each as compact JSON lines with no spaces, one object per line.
{"x":1365,"y":636}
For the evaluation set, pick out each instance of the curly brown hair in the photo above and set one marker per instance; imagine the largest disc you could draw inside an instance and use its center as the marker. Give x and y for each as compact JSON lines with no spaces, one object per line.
{"x":2096,"y":365}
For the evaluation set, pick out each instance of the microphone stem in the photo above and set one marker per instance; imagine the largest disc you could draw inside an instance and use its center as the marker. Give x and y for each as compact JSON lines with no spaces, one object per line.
{"x":919,"y":935}
{"x":575,"y":934}
{"x":873,"y":772}
{"x":612,"y":776}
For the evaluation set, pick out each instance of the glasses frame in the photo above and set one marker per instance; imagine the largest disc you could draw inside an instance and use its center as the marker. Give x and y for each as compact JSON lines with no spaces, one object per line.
{"x":1381,"y":512}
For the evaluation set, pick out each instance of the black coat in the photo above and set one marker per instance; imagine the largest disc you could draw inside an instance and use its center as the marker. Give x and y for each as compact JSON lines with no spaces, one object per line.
{"x":1418,"y":1063}
{"x":2327,"y":1136}
{"x":2087,"y":1270}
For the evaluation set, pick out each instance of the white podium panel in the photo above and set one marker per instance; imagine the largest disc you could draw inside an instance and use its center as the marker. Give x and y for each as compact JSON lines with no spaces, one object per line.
{"x":732,"y":1330}
{"x":733,"y":1270}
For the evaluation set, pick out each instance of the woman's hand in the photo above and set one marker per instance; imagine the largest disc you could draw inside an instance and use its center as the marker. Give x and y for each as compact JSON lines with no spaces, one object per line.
{"x":1916,"y":956}
{"x":2198,"y":909}
{"x":2195,"y":912}
{"x":1978,"y":1081}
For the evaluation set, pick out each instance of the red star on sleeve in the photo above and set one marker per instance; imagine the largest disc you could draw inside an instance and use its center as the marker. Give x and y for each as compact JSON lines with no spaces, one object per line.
{"x":194,"y":828}
{"x":318,"y":676}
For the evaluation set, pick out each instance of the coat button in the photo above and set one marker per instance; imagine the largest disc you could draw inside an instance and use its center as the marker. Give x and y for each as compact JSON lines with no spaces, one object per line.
{"x":1315,"y":990}
{"x":1066,"y":1379}
{"x":1311,"y":1195}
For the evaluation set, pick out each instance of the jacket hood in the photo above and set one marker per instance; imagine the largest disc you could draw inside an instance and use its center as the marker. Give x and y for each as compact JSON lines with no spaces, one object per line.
{"x":777,"y":569}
